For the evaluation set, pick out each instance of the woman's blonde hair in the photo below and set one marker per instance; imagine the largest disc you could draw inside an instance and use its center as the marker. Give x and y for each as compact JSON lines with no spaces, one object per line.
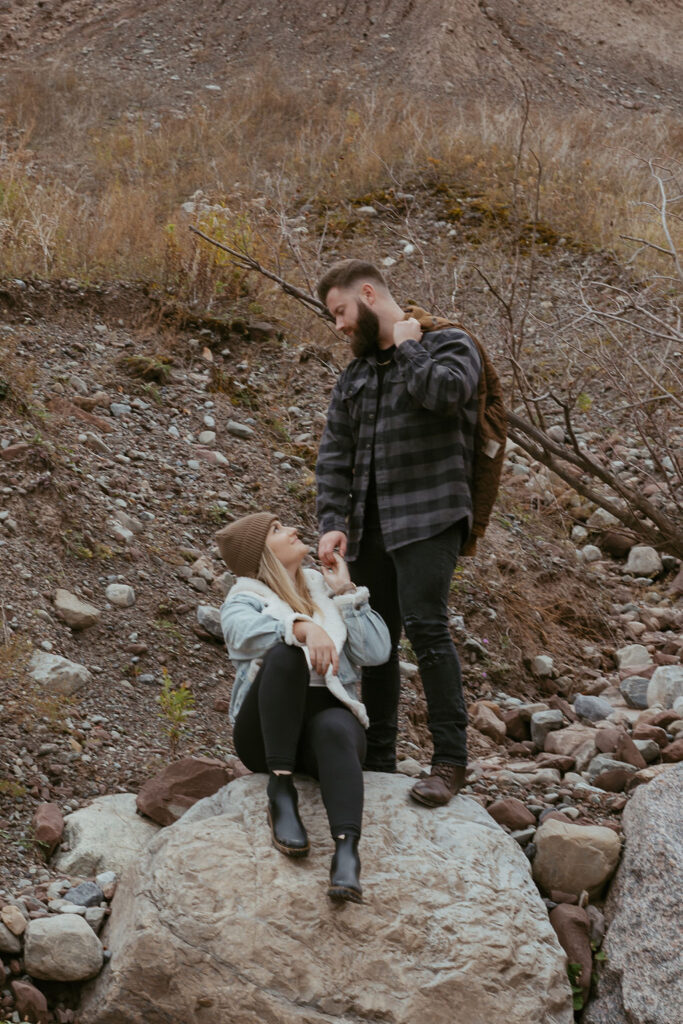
{"x":296,"y":594}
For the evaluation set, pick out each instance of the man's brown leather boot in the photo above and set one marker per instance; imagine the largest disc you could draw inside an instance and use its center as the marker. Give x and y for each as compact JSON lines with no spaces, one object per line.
{"x":437,"y":789}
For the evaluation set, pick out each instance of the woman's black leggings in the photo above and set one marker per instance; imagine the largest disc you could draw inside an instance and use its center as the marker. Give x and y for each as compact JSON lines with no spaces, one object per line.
{"x":286,"y":725}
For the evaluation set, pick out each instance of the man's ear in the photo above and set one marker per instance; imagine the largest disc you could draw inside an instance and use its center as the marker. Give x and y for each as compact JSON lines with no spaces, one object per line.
{"x":368,"y":293}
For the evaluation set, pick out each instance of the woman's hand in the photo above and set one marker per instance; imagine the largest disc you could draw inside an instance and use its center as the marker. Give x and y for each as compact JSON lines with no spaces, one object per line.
{"x":337,"y":575}
{"x":321,"y":650}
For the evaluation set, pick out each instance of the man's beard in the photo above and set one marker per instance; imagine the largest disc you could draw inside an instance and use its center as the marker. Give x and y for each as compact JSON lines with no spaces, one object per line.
{"x":365,"y":337}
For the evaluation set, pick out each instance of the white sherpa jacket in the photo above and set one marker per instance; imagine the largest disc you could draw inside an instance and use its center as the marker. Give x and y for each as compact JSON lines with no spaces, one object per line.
{"x":254,"y":618}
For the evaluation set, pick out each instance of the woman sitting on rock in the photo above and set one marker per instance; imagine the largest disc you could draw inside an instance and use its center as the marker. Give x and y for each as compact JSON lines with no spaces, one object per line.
{"x":297,"y":640}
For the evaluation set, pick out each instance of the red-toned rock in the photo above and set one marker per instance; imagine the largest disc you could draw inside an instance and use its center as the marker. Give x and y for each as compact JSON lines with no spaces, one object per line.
{"x":613,"y":780}
{"x":30,"y":1002}
{"x":221,"y":705}
{"x":516,"y":727}
{"x":607,"y":738}
{"x":617,"y":543}
{"x":557,"y":816}
{"x":511,"y":812}
{"x":677,"y":585}
{"x":174,"y":790}
{"x":557,"y":896}
{"x":627,"y":751}
{"x":664,"y":719}
{"x":650,"y":732}
{"x":642,"y":671}
{"x":562,"y":762}
{"x":572,"y":927}
{"x":48,"y":826}
{"x":673,"y":753}
{"x":521,"y":749}
{"x":646,"y":775}
{"x":486,"y":721}
{"x":664,"y":658}
{"x":15,"y":451}
{"x":238,"y":769}
{"x":558,"y":703}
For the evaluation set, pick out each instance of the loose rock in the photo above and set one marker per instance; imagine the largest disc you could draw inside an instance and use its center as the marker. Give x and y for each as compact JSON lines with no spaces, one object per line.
{"x":666,"y":685}
{"x":76,"y":613}
{"x":62,"y":948}
{"x":575,"y":857}
{"x":58,"y":674}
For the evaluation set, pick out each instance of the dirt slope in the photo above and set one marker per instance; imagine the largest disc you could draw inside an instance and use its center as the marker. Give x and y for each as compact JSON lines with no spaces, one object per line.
{"x":597,"y":55}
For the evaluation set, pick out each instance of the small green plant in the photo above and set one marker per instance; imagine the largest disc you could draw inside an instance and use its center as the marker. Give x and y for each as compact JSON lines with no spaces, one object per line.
{"x":574,"y":973}
{"x":215,"y":514}
{"x":149,"y":368}
{"x":152,"y":391}
{"x":168,"y":627}
{"x":12,"y":789}
{"x":175,"y":707}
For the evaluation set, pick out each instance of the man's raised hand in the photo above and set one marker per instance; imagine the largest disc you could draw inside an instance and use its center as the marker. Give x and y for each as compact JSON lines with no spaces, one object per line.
{"x":333,"y":539}
{"x":407,"y":330}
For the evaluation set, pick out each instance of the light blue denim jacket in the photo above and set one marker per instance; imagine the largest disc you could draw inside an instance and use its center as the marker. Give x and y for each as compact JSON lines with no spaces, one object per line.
{"x":250,"y":632}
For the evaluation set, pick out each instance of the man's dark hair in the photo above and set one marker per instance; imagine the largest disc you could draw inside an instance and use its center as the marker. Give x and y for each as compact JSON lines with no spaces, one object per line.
{"x":347,"y":272}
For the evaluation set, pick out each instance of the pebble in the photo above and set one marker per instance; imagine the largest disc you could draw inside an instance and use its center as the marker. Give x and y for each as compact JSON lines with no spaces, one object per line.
{"x":594,"y":709}
{"x":542,"y":666}
{"x":119,"y":410}
{"x":239,"y":429}
{"x":634,"y":691}
{"x":120,"y":595}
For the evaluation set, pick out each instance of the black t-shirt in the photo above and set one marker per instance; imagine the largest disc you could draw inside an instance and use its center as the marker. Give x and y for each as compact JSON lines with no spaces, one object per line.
{"x":384,"y":359}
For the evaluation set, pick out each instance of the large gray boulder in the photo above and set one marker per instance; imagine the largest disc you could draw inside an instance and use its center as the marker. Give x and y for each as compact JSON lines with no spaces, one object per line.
{"x":642,"y":981}
{"x":213,"y":923}
{"x":104,"y":836}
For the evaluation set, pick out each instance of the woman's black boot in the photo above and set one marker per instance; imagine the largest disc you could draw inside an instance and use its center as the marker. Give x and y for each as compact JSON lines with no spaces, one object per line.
{"x":345,"y":871}
{"x":289,"y":834}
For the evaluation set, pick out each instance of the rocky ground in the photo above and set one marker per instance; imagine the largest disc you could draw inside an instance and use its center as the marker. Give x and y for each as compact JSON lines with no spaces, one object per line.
{"x":125,"y":443}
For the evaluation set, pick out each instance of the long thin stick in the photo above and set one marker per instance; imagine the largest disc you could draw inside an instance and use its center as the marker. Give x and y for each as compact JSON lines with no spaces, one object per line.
{"x":247,"y":262}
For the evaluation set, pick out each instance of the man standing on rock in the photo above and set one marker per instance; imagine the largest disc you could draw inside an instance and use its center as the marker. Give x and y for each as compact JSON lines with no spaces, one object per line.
{"x":394,"y":479}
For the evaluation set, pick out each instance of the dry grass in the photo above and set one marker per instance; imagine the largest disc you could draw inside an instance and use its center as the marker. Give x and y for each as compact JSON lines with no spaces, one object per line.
{"x":87,"y":196}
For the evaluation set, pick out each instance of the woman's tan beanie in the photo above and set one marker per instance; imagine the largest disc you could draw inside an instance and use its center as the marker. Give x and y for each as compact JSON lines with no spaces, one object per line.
{"x":241,"y":543}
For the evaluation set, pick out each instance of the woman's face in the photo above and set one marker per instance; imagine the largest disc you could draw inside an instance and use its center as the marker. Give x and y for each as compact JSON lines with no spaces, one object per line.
{"x":284,"y":542}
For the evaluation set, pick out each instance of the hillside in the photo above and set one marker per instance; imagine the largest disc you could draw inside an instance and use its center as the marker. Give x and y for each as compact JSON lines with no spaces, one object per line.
{"x":617,"y":52}
{"x":505,"y":164}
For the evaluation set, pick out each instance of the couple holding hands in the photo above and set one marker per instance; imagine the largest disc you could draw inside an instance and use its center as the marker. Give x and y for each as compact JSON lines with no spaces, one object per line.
{"x":394,"y":476}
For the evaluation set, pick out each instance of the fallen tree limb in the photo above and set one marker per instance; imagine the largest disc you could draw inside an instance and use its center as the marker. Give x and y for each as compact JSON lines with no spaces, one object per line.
{"x":570,"y":463}
{"x":247,"y":262}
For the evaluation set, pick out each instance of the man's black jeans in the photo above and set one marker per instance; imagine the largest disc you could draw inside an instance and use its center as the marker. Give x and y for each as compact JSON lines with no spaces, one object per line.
{"x":409,"y":586}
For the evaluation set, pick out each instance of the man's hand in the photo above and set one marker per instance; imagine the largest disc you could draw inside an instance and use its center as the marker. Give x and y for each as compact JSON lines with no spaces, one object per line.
{"x":321,"y":650}
{"x":337,"y":576}
{"x":407,"y":330}
{"x":326,"y":547}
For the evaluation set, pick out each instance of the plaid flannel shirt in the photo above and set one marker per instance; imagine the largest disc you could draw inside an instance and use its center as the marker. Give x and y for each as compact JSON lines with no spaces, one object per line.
{"x":422,"y":434}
